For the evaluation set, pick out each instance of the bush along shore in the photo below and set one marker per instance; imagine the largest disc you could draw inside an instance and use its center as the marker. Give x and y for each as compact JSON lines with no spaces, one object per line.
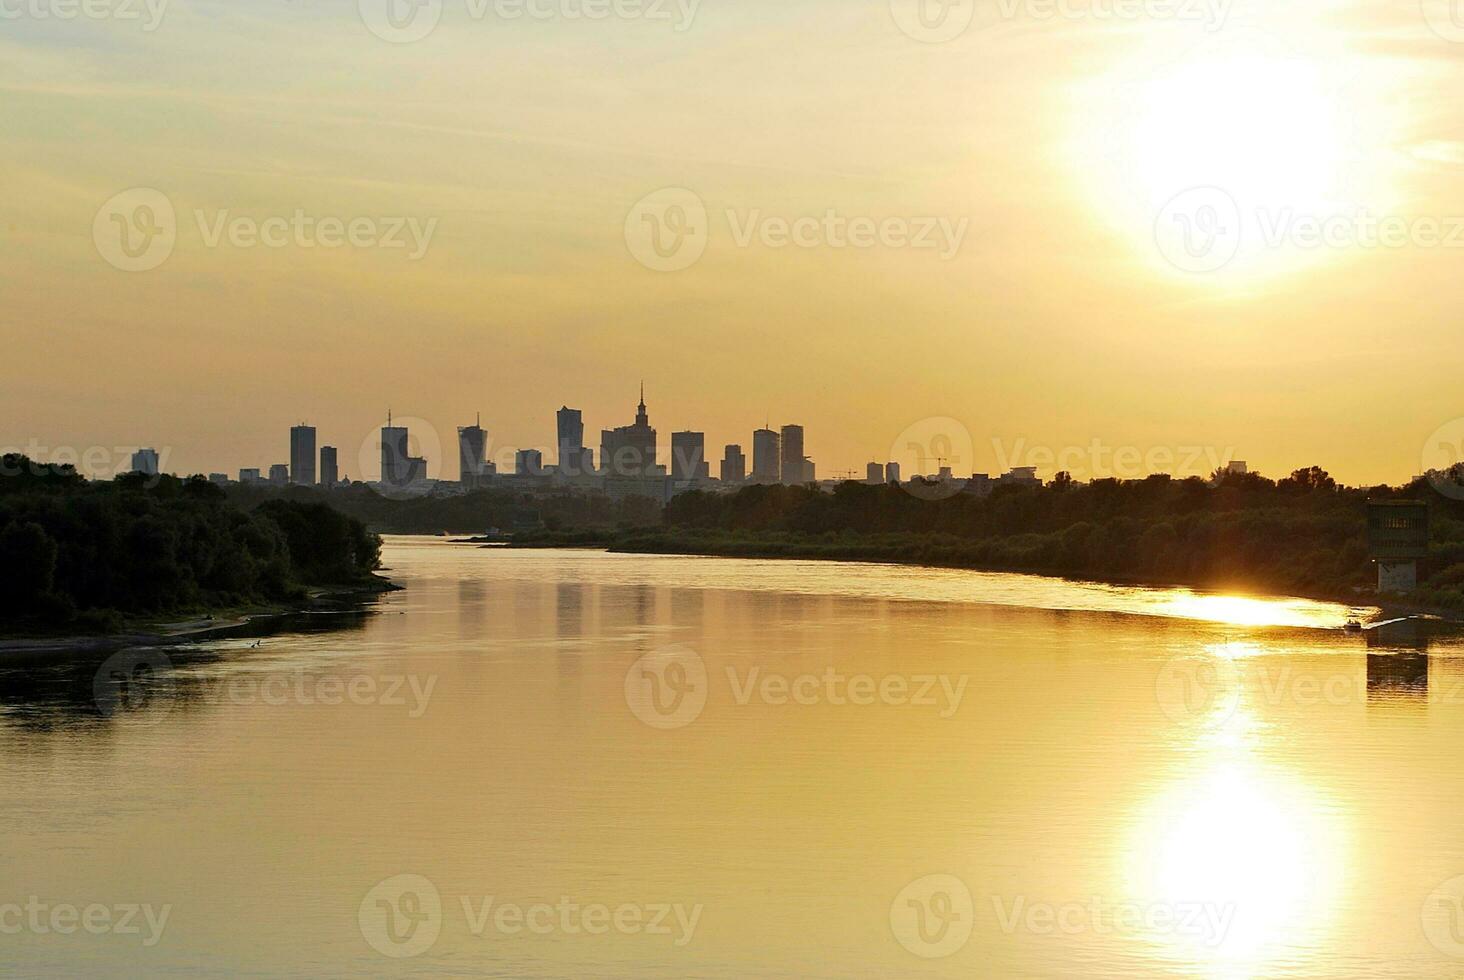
{"x":1303,"y":535}
{"x":96,"y":557}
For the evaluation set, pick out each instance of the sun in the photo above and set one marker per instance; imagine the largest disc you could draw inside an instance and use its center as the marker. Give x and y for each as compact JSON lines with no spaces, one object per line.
{"x":1251,"y":137}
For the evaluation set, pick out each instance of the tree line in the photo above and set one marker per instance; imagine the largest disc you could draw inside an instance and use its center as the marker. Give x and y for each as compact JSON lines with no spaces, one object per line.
{"x":83,"y":553}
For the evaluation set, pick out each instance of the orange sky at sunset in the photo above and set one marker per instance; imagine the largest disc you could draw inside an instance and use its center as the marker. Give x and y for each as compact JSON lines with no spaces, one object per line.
{"x":1227,"y":227}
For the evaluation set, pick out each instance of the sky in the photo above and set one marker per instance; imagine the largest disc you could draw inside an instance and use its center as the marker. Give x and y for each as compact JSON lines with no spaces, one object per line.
{"x":1110,"y":237}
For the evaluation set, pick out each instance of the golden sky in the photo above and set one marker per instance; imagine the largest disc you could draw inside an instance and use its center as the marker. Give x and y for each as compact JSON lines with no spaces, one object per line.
{"x":1237,"y":227}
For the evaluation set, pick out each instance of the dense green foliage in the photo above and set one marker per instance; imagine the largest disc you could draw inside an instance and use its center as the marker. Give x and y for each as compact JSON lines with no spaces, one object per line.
{"x":471,"y":513}
{"x":79,"y":552}
{"x":1301,"y":534}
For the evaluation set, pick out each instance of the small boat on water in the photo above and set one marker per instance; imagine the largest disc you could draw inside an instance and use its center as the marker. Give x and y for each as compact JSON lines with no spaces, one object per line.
{"x":1353,"y":626}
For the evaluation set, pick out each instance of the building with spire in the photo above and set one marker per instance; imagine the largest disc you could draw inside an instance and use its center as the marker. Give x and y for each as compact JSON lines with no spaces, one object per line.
{"x":473,"y":465}
{"x":628,"y":457}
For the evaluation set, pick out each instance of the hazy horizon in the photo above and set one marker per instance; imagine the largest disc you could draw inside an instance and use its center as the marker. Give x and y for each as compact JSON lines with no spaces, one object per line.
{"x":1041,"y":155}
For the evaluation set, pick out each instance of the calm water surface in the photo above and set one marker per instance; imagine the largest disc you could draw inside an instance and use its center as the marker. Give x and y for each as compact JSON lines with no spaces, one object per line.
{"x":670,"y":767}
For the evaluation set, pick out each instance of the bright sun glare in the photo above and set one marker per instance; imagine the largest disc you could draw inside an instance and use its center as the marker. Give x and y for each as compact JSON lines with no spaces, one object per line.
{"x":1278,"y":130}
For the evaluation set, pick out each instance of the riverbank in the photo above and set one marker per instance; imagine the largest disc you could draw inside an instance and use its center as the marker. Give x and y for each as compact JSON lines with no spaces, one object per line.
{"x":949,"y":554}
{"x":142,"y":631}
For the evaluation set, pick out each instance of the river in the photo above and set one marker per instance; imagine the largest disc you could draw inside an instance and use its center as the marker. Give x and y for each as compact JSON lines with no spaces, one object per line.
{"x":576,"y":764}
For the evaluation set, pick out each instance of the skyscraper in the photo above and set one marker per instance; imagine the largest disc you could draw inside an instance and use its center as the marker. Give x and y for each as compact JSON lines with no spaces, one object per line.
{"x":472,"y":453}
{"x":689,"y":456}
{"x":765,"y":456}
{"x":892,"y":473}
{"x":330,"y":473}
{"x":734,"y":464}
{"x":630,"y":450}
{"x":574,"y":459}
{"x":395,"y":462}
{"x":145,"y":461}
{"x":791,"y":463}
{"x":874,"y":474}
{"x":302,"y":455}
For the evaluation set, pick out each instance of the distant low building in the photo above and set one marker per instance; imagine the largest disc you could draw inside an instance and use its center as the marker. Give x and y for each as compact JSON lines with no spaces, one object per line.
{"x":1397,"y":540}
{"x":145,"y":461}
{"x":218,"y":479}
{"x":250,"y":475}
{"x":734,"y":465}
{"x":528,"y":462}
{"x":329,"y":467}
{"x":279,"y":474}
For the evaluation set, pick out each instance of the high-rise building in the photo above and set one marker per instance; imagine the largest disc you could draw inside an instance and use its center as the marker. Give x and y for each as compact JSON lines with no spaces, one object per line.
{"x":790,"y":466}
{"x":279,"y":474}
{"x":874,"y":474}
{"x":689,"y":456}
{"x":529,"y":462}
{"x":574,"y":459}
{"x":892,"y":473}
{"x":630,"y":450}
{"x":145,"y":461}
{"x":395,"y":459}
{"x":472,"y":453}
{"x":249,"y":475}
{"x":766,"y":461}
{"x":330,"y":473}
{"x":734,"y":465}
{"x":302,"y":455}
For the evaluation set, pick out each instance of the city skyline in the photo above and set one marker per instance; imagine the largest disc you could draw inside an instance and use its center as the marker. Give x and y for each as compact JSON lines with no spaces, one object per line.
{"x":529,"y":273}
{"x":427,"y":452}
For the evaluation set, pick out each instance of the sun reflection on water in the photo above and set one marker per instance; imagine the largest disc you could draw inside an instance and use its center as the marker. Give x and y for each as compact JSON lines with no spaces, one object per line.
{"x":1253,"y":854}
